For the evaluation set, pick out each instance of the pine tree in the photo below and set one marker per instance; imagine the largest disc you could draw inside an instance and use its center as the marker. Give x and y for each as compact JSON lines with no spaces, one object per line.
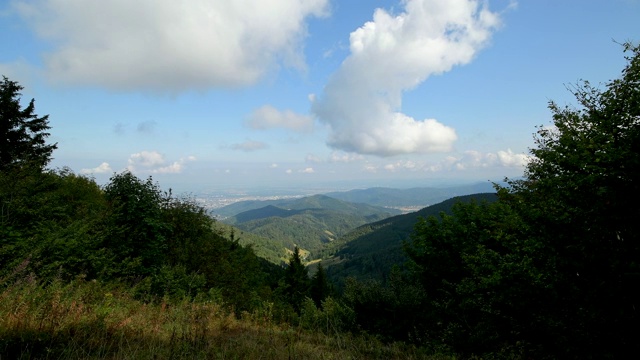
{"x":320,"y":288}
{"x":22,"y":132}
{"x":296,"y":280}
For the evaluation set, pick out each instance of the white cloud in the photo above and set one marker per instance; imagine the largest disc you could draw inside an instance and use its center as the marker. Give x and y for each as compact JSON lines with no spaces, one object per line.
{"x":100,"y":169}
{"x":154,"y":162}
{"x":169,"y":45}
{"x":335,"y":157}
{"x":392,"y":54}
{"x":268,"y":117}
{"x":402,"y":165}
{"x":249,"y":145}
{"x":508,"y":158}
{"x":339,"y":156}
{"x":145,"y":159}
{"x":370,"y":168}
{"x":467,"y":161}
{"x":308,"y":170}
{"x":473,"y":159}
{"x":313,"y":159}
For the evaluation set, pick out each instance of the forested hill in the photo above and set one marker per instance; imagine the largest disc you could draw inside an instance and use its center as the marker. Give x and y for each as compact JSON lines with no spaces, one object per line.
{"x":371,"y":250}
{"x":419,"y":196}
{"x":309,"y":223}
{"x":304,"y":203}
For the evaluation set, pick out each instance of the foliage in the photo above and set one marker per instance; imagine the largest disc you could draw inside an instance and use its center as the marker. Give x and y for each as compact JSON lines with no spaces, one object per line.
{"x":93,"y":320}
{"x":479,"y":273}
{"x":392,"y":311}
{"x":23,"y":133}
{"x":371,"y":251}
{"x":319,"y":287}
{"x":551,"y":269}
{"x":310,"y":222}
{"x":330,"y":317}
{"x":296,"y":281}
{"x":137,"y":233}
{"x":580,"y":193}
{"x":59,"y":224}
{"x":51,"y":222}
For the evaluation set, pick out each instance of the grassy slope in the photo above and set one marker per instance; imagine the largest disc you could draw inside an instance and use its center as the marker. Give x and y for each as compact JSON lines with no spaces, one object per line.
{"x":91,"y":321}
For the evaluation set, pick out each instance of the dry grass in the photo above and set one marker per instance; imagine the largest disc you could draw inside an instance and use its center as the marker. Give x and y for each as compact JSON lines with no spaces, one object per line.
{"x":86,"y":320}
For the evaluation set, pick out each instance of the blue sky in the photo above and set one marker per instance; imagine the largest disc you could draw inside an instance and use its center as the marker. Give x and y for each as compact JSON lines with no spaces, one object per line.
{"x":293,"y":93}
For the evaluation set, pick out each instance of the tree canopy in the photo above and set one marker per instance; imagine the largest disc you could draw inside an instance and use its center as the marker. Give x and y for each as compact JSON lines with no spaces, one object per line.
{"x":23,"y":133}
{"x":552,"y":268}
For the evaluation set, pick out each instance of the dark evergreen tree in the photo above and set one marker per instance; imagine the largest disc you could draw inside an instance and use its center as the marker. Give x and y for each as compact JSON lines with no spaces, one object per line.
{"x":320,"y":288}
{"x":22,"y":132}
{"x":296,"y":280}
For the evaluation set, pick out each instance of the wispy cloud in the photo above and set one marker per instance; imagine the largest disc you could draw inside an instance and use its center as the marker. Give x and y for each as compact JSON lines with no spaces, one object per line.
{"x":155,"y":163}
{"x":146,"y":127}
{"x":249,"y":145}
{"x":392,"y":54}
{"x":268,"y":117}
{"x":165,"y":45}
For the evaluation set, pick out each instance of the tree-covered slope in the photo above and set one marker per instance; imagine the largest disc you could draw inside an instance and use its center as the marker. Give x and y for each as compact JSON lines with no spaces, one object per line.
{"x":309,"y":223}
{"x":371,"y":250}
{"x":272,"y":250}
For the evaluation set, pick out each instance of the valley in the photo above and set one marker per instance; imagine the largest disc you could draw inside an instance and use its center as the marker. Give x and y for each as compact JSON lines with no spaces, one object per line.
{"x":355,"y":233}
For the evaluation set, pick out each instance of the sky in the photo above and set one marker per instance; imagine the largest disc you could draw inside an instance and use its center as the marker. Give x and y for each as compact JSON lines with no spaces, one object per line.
{"x":218,"y":94}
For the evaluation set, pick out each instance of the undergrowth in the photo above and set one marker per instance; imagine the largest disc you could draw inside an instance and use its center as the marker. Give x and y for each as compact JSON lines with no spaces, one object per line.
{"x":89,"y":320}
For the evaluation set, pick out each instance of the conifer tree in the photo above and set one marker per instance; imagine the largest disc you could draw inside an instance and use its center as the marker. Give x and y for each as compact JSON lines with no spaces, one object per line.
{"x":320,"y":288}
{"x":296,"y":280}
{"x":22,"y":132}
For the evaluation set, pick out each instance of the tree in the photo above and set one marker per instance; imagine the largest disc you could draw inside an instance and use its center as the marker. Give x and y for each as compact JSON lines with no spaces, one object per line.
{"x":137,"y":229}
{"x":296,"y":280}
{"x":554,"y":265}
{"x":580,"y":194}
{"x":22,"y":132}
{"x":482,"y":279}
{"x":319,"y":288}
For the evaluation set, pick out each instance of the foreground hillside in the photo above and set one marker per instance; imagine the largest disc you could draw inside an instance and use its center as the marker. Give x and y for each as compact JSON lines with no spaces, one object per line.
{"x":91,"y":320}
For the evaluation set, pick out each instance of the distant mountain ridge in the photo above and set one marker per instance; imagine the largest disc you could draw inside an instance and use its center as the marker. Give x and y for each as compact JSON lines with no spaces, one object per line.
{"x":419,"y":196}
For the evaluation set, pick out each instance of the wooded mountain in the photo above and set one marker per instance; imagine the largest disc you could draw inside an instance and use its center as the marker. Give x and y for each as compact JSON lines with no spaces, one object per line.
{"x":371,"y":250}
{"x":308,"y":223}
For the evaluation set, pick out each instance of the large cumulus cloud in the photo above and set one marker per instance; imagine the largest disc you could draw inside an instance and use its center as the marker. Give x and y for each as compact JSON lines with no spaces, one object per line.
{"x":392,"y":54}
{"x":169,"y":45}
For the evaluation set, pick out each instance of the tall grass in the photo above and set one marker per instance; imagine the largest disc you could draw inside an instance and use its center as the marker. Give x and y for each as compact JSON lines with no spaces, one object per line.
{"x":89,"y":320}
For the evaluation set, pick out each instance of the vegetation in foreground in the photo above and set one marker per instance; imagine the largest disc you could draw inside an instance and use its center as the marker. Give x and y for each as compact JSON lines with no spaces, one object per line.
{"x":89,"y":320}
